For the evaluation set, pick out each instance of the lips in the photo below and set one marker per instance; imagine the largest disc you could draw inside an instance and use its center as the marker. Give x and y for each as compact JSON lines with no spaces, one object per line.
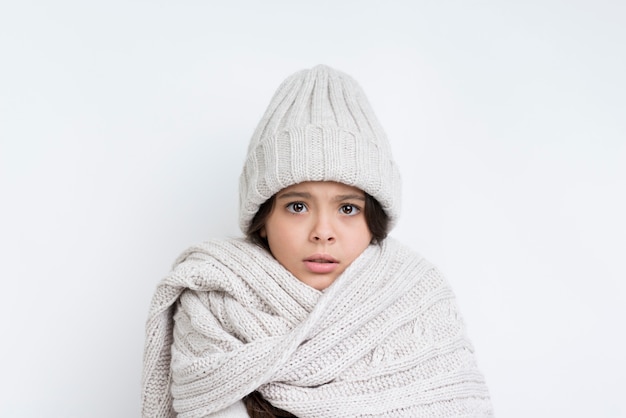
{"x":321,"y":258}
{"x":321,"y":263}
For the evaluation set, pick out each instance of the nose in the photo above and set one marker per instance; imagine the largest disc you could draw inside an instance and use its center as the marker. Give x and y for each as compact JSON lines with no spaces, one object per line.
{"x":323,"y":230}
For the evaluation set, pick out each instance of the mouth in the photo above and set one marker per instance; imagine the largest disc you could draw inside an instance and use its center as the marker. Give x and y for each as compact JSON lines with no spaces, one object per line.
{"x":321,"y":263}
{"x":321,"y":258}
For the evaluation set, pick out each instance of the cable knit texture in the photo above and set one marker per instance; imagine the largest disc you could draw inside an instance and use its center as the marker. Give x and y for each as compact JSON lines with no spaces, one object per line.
{"x":319,"y":126}
{"x":385,"y":339}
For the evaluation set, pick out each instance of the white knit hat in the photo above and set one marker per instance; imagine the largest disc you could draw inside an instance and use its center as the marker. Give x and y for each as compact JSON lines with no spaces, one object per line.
{"x":319,"y":126}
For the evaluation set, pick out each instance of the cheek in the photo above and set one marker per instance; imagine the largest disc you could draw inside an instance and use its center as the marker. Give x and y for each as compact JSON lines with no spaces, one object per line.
{"x":361,"y":237}
{"x":281,"y":237}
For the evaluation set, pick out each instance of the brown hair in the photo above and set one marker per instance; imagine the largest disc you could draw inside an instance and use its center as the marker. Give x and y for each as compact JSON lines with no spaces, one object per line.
{"x":375,"y":217}
{"x":258,"y":407}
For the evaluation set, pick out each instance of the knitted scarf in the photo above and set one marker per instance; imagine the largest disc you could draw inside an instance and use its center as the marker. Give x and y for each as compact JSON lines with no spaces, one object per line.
{"x":385,"y":339}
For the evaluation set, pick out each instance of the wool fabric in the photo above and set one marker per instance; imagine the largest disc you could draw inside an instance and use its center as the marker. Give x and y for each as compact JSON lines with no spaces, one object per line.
{"x":385,"y":339}
{"x":319,"y":126}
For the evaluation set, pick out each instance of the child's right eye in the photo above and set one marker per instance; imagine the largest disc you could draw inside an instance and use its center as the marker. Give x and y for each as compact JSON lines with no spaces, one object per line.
{"x":296,"y":207}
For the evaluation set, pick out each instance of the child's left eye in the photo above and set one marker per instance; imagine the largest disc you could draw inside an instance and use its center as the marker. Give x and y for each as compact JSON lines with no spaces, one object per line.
{"x":349,"y":210}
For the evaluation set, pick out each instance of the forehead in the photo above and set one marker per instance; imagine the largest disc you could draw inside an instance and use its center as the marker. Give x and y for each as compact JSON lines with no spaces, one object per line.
{"x":322,"y":187}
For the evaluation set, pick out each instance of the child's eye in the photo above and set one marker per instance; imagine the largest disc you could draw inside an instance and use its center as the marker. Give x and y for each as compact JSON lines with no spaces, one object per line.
{"x":349,"y":210}
{"x":296,"y":207}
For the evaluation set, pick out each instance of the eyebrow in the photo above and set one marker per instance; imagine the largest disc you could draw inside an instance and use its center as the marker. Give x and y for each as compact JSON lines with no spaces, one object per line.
{"x":289,"y":195}
{"x":342,"y":197}
{"x":305,"y":195}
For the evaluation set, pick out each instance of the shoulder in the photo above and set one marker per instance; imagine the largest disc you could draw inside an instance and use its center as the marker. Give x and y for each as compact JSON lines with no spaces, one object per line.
{"x":220,"y":249}
{"x":406,"y":260}
{"x":392,"y":246}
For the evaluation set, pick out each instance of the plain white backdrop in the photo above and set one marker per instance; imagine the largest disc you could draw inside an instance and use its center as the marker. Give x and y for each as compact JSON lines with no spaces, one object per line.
{"x":124,"y":126}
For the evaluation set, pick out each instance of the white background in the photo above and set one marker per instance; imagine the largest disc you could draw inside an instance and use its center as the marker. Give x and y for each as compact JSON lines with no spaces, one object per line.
{"x":124,"y":126}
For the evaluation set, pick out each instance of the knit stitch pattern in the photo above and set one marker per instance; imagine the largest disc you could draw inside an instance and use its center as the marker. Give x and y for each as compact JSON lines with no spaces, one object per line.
{"x":385,"y":339}
{"x":319,"y":126}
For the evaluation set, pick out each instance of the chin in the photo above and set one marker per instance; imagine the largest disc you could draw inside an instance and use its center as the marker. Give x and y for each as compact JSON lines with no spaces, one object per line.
{"x":318,"y":283}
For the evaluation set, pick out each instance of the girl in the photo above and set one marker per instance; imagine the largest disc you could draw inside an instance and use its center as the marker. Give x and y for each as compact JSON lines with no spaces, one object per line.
{"x":316,"y":313}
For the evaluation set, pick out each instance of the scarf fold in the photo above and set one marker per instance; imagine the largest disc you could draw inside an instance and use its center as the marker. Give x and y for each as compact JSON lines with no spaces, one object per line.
{"x":385,"y":339}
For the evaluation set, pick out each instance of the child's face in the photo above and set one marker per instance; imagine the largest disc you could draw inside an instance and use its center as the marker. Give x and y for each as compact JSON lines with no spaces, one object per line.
{"x":317,"y":229}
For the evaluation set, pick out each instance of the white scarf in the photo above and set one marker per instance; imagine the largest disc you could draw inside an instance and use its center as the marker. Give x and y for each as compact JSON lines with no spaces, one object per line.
{"x":385,"y":339}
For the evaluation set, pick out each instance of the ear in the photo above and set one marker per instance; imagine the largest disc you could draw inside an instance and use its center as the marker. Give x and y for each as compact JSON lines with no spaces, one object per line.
{"x":263,"y":233}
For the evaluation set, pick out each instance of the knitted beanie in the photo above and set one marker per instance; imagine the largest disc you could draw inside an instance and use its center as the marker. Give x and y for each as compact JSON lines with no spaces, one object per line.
{"x":319,"y":126}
